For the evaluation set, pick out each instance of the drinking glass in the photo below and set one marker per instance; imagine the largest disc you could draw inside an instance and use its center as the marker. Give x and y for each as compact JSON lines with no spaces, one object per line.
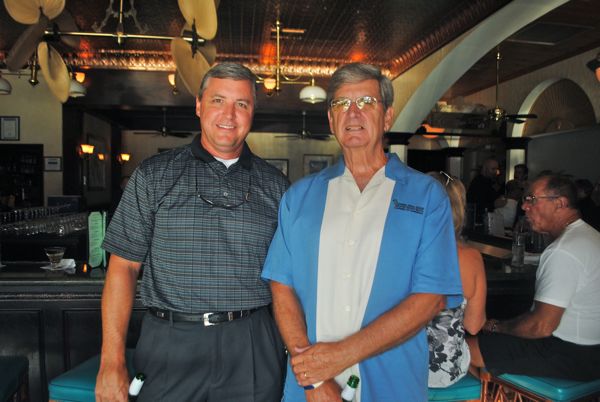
{"x":55,"y":255}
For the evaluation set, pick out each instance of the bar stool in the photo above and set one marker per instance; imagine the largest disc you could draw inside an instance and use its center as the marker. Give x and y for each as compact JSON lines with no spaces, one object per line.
{"x":467,"y":388}
{"x":79,"y":383}
{"x":512,"y":387}
{"x":14,"y":378}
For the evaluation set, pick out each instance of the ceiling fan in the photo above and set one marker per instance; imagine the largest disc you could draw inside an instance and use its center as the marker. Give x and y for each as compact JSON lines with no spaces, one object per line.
{"x":164,"y":130}
{"x":497,"y":115}
{"x":50,"y":22}
{"x":45,"y":18}
{"x":304,"y":134}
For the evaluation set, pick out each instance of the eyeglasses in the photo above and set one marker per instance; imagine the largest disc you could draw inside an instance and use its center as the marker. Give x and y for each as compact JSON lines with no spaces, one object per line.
{"x":345,"y":103}
{"x":228,"y":206}
{"x":447,"y":176}
{"x":533,"y":199}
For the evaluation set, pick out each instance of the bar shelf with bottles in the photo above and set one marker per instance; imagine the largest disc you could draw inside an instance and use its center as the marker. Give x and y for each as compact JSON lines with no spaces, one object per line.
{"x":25,"y":232}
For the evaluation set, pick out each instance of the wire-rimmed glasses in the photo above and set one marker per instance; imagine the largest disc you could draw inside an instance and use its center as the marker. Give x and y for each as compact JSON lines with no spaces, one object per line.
{"x":217,"y":204}
{"x":533,"y":199}
{"x":345,"y":103}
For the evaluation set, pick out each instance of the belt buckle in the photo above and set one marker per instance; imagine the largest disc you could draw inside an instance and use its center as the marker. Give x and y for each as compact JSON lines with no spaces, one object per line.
{"x":206,"y":317}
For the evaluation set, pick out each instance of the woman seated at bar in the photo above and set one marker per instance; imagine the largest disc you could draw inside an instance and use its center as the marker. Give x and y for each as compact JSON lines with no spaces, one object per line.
{"x":449,"y":355}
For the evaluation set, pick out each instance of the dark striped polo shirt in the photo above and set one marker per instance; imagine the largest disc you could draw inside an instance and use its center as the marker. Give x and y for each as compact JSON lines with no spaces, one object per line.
{"x":199,"y":257}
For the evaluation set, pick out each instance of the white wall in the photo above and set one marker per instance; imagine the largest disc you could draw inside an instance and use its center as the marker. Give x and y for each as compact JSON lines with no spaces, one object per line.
{"x":40,"y":122}
{"x":571,"y":152}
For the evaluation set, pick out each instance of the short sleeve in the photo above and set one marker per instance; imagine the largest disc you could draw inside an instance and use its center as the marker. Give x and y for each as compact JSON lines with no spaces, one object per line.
{"x":554,"y":284}
{"x":129,"y":233}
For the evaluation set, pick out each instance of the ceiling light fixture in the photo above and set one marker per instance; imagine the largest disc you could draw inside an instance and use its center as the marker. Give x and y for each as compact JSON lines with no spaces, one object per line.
{"x":311,"y":93}
{"x":594,"y":65}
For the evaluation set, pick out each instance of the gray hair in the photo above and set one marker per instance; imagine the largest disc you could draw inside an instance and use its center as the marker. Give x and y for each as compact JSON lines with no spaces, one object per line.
{"x":357,"y":72}
{"x":562,"y":186}
{"x":233,"y":71}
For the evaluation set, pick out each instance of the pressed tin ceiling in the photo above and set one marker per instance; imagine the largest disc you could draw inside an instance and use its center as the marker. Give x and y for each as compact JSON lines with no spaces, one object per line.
{"x":393,"y":34}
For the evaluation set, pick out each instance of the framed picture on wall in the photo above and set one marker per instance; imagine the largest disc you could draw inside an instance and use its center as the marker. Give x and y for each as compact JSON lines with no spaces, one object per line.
{"x":315,"y":163}
{"x":52,"y":163}
{"x":9,"y":128}
{"x":281,"y":164}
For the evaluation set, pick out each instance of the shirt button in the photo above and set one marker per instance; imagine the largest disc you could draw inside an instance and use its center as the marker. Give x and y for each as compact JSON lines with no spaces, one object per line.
{"x":225,"y":193}
{"x":347,"y":308}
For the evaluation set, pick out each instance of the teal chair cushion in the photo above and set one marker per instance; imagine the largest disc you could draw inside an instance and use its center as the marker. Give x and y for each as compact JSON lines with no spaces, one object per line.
{"x":78,"y":384}
{"x":468,"y":387}
{"x":553,"y":388}
{"x":12,"y":369}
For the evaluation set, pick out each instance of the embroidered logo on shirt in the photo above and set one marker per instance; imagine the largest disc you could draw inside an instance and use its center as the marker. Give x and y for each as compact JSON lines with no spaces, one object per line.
{"x":407,"y":207}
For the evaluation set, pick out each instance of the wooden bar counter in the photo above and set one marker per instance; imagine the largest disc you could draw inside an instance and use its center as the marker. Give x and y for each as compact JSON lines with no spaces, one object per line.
{"x":53,"y":319}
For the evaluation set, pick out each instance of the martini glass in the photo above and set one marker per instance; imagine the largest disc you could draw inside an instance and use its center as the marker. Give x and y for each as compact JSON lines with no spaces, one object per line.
{"x":55,"y":255}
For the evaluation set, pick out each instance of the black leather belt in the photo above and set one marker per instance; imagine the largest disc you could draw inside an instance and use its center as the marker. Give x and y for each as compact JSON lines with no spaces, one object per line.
{"x":207,"y":319}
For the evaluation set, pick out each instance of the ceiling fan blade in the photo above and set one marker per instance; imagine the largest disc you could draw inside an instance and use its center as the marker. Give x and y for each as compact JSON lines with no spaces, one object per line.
{"x":522,"y":116}
{"x":26,"y":44}
{"x":23,"y":11}
{"x":202,"y":14}
{"x":319,"y":137}
{"x":65,"y":22}
{"x":515,"y":121}
{"x":147,"y":132}
{"x":55,"y":71}
{"x":180,"y":134}
{"x":191,"y":68}
{"x":208,"y":48}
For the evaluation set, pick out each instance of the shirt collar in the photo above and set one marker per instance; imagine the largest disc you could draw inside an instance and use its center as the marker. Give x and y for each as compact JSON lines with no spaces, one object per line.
{"x":201,"y":153}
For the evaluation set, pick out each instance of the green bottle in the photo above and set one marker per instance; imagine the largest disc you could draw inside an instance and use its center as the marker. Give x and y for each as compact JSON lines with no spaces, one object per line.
{"x":136,"y":386}
{"x":350,"y":389}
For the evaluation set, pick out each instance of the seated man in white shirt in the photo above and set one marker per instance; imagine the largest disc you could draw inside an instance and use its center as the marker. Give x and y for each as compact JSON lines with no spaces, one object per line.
{"x":560,"y":335}
{"x":507,"y":205}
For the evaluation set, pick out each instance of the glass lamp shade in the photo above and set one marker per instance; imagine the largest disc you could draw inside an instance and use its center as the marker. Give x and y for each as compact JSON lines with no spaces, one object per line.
{"x":76,"y":89}
{"x":270,"y":83}
{"x":5,"y":87}
{"x":313,"y":94}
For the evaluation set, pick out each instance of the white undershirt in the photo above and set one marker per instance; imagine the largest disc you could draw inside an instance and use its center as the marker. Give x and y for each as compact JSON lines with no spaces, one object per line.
{"x":227,"y":162}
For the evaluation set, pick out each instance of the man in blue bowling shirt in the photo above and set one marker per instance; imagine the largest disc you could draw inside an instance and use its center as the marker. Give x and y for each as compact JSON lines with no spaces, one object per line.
{"x":363,"y":257}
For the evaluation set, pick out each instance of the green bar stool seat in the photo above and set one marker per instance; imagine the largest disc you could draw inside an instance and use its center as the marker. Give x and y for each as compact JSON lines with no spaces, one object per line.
{"x":14,"y":378}
{"x":512,"y":387}
{"x":466,"y":388}
{"x":79,"y":383}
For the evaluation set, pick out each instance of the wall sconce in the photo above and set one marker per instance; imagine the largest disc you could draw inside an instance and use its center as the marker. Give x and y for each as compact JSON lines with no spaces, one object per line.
{"x":594,"y":65}
{"x":429,"y":132}
{"x":84,"y":150}
{"x":171,"y":78}
{"x":101,"y":157}
{"x":123,"y":158}
{"x":5,"y":87}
